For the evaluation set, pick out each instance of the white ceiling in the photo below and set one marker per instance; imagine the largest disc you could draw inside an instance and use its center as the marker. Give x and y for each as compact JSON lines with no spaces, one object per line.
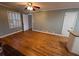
{"x":44,"y":5}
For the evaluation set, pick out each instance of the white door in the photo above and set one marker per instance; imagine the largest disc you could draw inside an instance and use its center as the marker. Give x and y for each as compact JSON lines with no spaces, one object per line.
{"x":69,"y":22}
{"x":25,"y":22}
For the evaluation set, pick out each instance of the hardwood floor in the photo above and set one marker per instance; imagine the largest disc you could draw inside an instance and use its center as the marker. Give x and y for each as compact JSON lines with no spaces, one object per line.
{"x":32,"y":43}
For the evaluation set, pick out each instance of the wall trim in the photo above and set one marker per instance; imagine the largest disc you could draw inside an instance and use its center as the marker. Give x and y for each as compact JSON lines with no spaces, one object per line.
{"x":10,"y":34}
{"x":48,"y":33}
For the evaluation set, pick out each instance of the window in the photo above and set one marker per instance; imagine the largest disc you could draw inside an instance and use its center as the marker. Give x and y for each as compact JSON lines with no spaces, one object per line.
{"x":14,"y":19}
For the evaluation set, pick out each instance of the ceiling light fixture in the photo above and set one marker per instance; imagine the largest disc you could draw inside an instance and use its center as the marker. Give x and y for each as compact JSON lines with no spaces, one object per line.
{"x":29,"y":7}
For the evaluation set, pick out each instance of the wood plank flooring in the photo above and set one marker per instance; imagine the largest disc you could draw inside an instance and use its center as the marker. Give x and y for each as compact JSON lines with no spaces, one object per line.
{"x":31,"y":43}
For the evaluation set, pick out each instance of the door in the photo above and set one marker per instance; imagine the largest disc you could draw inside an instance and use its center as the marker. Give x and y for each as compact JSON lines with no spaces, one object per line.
{"x":25,"y":22}
{"x":69,"y":22}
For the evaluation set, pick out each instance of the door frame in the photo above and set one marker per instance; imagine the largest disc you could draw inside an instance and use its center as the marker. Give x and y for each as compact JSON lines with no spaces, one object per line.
{"x":23,"y":22}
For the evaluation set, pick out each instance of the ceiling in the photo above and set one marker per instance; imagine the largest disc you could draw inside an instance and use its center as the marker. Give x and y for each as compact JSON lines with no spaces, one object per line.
{"x":43,"y":5}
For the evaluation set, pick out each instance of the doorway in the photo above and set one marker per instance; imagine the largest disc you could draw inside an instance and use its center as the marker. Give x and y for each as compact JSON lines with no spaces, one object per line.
{"x":25,"y":22}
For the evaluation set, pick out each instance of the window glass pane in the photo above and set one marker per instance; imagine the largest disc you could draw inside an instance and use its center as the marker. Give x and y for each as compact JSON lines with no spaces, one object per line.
{"x":10,"y":19}
{"x":14,"y":19}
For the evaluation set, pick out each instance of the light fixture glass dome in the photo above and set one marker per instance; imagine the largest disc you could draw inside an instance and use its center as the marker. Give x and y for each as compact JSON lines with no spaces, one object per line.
{"x":29,"y":8}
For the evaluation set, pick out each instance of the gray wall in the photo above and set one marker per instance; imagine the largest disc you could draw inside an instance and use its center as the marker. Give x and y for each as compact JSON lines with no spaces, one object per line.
{"x":30,"y":21}
{"x":48,"y":21}
{"x":52,"y":21}
{"x":76,"y":29}
{"x":4,"y":25}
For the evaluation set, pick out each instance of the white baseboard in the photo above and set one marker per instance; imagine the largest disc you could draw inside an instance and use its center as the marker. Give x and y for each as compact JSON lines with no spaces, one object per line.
{"x":32,"y":30}
{"x":48,"y":33}
{"x":10,"y":34}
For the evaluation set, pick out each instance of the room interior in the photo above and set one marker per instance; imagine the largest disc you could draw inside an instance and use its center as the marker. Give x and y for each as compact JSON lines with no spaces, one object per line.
{"x":39,"y":28}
